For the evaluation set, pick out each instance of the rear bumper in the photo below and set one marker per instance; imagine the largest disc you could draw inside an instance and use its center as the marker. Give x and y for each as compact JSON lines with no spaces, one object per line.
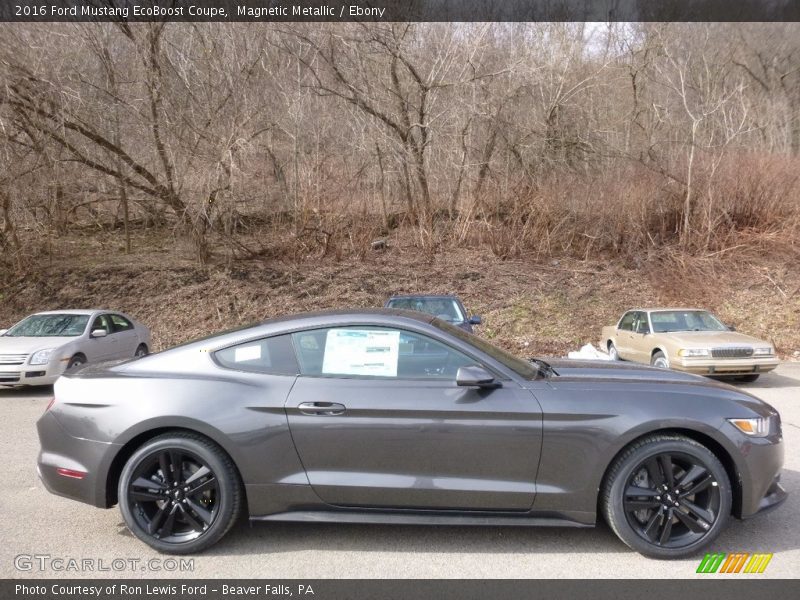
{"x":721,"y":366}
{"x":59,"y":450}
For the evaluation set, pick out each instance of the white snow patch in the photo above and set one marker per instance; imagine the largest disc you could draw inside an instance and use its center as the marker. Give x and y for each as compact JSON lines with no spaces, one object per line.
{"x":588,"y":352}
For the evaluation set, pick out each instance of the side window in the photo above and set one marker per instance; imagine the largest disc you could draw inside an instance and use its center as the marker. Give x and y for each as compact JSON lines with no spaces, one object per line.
{"x":642,"y":326}
{"x":273,"y":355}
{"x":376,"y":352}
{"x":103,"y":322}
{"x":626,"y":323}
{"x":121,"y":323}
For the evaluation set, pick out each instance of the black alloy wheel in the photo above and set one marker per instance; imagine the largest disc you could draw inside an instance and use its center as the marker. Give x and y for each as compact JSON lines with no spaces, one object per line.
{"x":179,"y":493}
{"x":667,"y":496}
{"x":671,"y":500}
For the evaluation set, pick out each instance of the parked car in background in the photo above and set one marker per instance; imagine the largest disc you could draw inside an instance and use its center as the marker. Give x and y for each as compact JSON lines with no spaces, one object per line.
{"x":38,"y":349}
{"x":688,"y":339}
{"x":388,"y":416}
{"x":447,"y":308}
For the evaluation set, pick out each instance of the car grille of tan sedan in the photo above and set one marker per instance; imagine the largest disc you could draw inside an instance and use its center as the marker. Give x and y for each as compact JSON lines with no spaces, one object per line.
{"x":731,"y":352}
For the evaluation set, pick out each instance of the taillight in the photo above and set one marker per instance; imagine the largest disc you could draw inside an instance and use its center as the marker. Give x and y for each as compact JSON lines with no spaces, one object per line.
{"x":50,"y":404}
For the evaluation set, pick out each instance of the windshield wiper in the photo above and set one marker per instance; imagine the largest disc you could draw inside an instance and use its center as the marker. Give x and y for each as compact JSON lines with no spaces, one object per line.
{"x":543,"y":367}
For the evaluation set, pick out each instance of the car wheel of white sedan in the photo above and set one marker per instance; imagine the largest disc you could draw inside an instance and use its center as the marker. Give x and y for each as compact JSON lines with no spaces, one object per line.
{"x":612,"y":351}
{"x":660,"y":360}
{"x":140,"y":351}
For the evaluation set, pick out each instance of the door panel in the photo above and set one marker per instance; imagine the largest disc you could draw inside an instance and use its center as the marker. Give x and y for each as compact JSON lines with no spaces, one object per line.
{"x":625,"y":336}
{"x":640,"y":351}
{"x":103,"y":348}
{"x":400,"y":443}
{"x":126,"y":338}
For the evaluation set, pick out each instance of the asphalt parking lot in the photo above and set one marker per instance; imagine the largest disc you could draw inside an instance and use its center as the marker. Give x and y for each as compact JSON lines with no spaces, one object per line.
{"x":36,"y":524}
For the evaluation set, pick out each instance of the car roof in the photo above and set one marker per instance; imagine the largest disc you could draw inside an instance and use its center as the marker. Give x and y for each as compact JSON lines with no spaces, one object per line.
{"x":424,"y":296}
{"x":299,"y":321}
{"x":75,"y":311}
{"x":678,"y":309}
{"x":354,"y":313}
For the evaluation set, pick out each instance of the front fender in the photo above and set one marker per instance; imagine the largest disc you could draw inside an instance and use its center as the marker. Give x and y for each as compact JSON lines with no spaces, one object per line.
{"x":586,"y":423}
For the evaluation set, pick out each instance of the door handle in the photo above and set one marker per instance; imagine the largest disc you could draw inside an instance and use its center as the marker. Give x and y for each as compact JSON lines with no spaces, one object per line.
{"x":321,"y":408}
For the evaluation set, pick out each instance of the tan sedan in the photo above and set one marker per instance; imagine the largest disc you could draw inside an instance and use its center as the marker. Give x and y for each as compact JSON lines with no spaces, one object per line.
{"x":688,"y":339}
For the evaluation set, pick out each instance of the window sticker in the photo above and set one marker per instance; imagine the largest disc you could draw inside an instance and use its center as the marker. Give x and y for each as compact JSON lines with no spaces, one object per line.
{"x":245,"y":353}
{"x":361,"y":352}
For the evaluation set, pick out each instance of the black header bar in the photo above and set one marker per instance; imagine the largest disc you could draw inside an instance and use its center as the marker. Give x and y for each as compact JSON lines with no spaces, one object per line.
{"x":399,"y":10}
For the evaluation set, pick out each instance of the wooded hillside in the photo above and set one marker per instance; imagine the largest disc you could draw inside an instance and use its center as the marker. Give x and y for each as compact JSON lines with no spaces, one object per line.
{"x":290,"y":141}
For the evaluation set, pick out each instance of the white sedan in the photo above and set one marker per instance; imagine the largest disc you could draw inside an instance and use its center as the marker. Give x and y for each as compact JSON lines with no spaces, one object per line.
{"x":38,"y":349}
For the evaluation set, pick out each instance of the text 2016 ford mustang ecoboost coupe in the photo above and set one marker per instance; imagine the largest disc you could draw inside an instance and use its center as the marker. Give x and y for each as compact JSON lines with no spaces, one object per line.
{"x":388,"y":416}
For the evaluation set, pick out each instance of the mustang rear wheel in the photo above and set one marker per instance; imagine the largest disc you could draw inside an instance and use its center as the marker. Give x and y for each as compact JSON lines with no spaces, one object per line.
{"x":179,"y":493}
{"x":667,"y":496}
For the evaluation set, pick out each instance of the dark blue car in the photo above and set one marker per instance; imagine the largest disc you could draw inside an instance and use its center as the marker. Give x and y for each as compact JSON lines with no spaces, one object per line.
{"x":446,"y":307}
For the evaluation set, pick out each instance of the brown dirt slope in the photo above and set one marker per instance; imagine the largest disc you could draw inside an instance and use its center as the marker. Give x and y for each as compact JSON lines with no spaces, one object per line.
{"x":533,"y":307}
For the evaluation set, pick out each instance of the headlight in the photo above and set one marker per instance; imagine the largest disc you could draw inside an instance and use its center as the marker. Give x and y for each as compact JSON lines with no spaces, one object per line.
{"x":763,"y":351}
{"x":693,"y":352}
{"x":758,"y":427}
{"x":42,"y":357}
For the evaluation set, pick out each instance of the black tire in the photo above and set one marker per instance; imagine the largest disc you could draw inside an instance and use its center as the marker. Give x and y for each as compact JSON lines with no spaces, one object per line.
{"x":612,"y":351}
{"x":660,"y":360}
{"x":76,"y":361}
{"x":640,"y":520}
{"x":749,"y":378}
{"x":161,"y":512}
{"x":141,"y":350}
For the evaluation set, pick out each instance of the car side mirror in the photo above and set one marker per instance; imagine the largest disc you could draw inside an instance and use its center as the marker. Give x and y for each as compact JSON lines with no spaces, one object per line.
{"x":732,"y":328}
{"x":475,"y":320}
{"x":475,"y":376}
{"x":98,"y":333}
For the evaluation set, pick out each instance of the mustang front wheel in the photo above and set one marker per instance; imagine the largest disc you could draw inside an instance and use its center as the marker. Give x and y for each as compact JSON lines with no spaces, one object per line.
{"x":179,"y":493}
{"x":667,"y":496}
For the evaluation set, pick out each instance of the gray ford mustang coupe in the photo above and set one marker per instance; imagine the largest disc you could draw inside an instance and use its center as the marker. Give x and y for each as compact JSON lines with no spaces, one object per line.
{"x":388,"y":416}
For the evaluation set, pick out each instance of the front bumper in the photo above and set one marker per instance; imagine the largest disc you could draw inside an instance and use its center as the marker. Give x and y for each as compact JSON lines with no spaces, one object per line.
{"x":725,"y":366}
{"x":775,"y":496}
{"x":26,"y":374}
{"x":60,"y":450}
{"x":758,"y":467}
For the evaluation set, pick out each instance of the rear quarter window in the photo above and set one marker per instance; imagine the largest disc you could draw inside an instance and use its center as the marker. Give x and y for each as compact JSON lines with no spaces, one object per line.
{"x":121,"y":323}
{"x":273,"y":355}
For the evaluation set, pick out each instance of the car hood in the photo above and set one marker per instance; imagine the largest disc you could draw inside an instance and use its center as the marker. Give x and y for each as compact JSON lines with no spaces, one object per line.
{"x":570,"y":369}
{"x":26,"y":345}
{"x":712,"y":338}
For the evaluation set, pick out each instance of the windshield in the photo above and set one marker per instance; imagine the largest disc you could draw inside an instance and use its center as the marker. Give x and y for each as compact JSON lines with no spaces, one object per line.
{"x":523,"y":368}
{"x":685,"y":320}
{"x":50,"y":326}
{"x":446,"y":309}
